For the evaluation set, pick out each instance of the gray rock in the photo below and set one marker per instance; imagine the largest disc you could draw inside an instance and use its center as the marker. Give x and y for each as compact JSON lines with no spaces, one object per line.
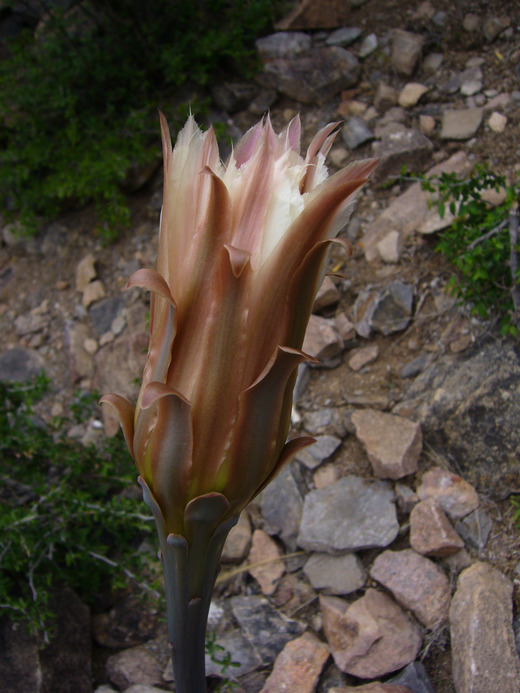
{"x":262,"y":102}
{"x":406,"y":51}
{"x":368,"y":46}
{"x":322,"y":340}
{"x":134,"y":666}
{"x":453,"y":494}
{"x":407,"y":147}
{"x":323,"y":421}
{"x":341,"y":574}
{"x":416,"y":366}
{"x":281,"y":504}
{"x":484,"y":657}
{"x":315,"y":78}
{"x":344,"y":36}
{"x":284,"y":44}
{"x":432,"y":62}
{"x":266,"y":630}
{"x":351,"y":514}
{"x":475,"y":529}
{"x":241,"y":651}
{"x":323,"y":448}
{"x":469,"y":406}
{"x":104,"y":312}
{"x":20,"y":364}
{"x":461,"y":124}
{"x":431,"y":533}
{"x":386,"y":311}
{"x":414,"y":676}
{"x":355,"y":132}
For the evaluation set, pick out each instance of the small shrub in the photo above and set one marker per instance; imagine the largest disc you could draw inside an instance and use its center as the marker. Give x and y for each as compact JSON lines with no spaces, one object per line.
{"x":67,"y":517}
{"x":482,"y":242}
{"x":79,"y":95}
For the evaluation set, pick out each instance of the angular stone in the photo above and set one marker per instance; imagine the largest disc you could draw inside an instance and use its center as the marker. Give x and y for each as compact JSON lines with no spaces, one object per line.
{"x":371,"y":637}
{"x":323,"y":421}
{"x":281,"y":504}
{"x":340,"y":574}
{"x":484,"y":657}
{"x":461,"y":124}
{"x":93,"y":292}
{"x":430,"y":531}
{"x":283,"y":44}
{"x":475,"y":529}
{"x":416,"y":583}
{"x":344,"y":36}
{"x":238,"y":541}
{"x":266,"y":629}
{"x":29,"y":323}
{"x":393,"y":444}
{"x":81,"y":363}
{"x":346,"y":329}
{"x":85,"y":272}
{"x":453,"y":494}
{"x":321,"y":450}
{"x":411,"y":94}
{"x":314,"y":78}
{"x":132,"y":666}
{"x":356,"y":132}
{"x":358,"y":358}
{"x":368,"y":46}
{"x":385,"y":97}
{"x":390,"y":247}
{"x":349,"y":515}
{"x":104,"y":313}
{"x":322,"y":339}
{"x":407,"y":147}
{"x":497,"y":122}
{"x":298,"y":666}
{"x":328,"y":296}
{"x":264,"y":561}
{"x":393,"y":309}
{"x":414,"y":678}
{"x":406,"y":51}
{"x":426,"y":124}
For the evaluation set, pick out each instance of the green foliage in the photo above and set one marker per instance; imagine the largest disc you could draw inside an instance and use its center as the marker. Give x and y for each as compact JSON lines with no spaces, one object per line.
{"x":79,"y":96}
{"x":223,"y":658}
{"x":481,"y":241}
{"x":67,"y":517}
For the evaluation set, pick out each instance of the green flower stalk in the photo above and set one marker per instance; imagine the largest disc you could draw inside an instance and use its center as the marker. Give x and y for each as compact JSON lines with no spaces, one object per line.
{"x":242,"y":253}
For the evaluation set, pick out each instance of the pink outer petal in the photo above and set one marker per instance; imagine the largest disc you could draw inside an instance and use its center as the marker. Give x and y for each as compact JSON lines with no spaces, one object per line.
{"x":163,"y":445}
{"x":260,"y":429}
{"x":126,"y":416}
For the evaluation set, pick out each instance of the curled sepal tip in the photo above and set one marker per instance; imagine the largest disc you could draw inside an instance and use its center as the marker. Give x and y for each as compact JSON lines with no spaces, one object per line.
{"x":126,"y":416}
{"x":152,"y":281}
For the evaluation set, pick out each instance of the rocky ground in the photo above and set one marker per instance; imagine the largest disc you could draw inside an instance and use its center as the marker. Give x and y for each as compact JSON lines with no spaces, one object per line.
{"x":386,"y":557}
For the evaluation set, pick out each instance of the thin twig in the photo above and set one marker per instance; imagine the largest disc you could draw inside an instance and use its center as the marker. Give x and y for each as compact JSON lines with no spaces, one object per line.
{"x":513,"y":261}
{"x":487,"y":235}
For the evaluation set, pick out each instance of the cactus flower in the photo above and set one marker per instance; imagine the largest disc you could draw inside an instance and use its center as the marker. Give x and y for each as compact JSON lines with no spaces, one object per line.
{"x":242,"y":253}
